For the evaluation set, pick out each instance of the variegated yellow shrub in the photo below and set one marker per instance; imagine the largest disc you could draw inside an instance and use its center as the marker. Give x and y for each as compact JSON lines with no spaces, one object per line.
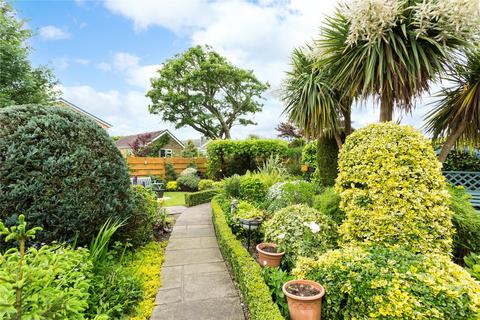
{"x":392,"y":191}
{"x":381,"y":283}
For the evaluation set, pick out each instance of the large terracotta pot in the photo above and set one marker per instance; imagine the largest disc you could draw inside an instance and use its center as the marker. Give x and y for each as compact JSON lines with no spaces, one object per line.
{"x":304,"y":308}
{"x":269,"y":259}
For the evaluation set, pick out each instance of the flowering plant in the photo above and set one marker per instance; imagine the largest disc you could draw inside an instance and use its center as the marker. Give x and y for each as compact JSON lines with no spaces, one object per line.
{"x":301,"y":231}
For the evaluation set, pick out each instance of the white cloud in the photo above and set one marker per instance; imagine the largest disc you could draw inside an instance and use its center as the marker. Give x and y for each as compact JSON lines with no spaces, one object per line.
{"x":61,"y":63}
{"x":253,"y":35}
{"x":104,"y":66}
{"x":82,"y":61}
{"x":50,"y":32}
{"x":135,"y":74}
{"x":127,"y":112}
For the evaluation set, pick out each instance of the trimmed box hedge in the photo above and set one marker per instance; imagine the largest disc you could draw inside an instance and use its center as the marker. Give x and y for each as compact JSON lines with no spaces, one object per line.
{"x":196,"y":198}
{"x":245,"y":269}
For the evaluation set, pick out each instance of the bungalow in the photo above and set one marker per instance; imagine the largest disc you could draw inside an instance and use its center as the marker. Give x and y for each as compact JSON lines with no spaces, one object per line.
{"x":67,"y":104}
{"x":172,"y":148}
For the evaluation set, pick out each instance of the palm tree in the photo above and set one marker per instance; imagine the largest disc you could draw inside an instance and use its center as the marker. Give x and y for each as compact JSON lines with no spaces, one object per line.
{"x":310,"y":100}
{"x":457,"y":115}
{"x":392,"y":49}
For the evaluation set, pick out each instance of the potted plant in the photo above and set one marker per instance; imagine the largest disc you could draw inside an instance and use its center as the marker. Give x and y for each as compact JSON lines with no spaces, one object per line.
{"x":249,"y":216}
{"x":159,"y":189}
{"x":269,"y":255}
{"x":304,"y":299}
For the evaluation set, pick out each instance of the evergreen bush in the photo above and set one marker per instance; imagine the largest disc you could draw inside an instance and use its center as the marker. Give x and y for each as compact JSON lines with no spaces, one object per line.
{"x":61,"y":170}
{"x":392,"y":190}
{"x":381,"y":283}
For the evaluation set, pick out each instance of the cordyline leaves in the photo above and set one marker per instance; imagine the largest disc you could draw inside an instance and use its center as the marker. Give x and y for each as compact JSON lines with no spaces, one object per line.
{"x":459,"y":108}
{"x":393,"y":61}
{"x":311,"y":102}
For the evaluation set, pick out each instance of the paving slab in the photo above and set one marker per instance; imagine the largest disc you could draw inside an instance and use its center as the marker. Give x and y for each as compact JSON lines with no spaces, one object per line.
{"x":175,"y":209}
{"x":209,"y":309}
{"x":195,"y":280}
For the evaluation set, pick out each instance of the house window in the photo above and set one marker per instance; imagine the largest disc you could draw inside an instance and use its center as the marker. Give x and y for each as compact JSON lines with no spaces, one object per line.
{"x":166,"y":153}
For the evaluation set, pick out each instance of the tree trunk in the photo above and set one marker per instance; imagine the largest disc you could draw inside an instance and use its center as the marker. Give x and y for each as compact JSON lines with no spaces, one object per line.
{"x":347,"y":118}
{"x":386,"y":109}
{"x":338,"y":139}
{"x":226,"y":132}
{"x":448,"y":145}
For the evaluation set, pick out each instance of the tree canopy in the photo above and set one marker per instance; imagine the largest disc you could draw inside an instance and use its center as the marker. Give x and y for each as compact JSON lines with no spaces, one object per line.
{"x":201,"y":89}
{"x":20,"y":83}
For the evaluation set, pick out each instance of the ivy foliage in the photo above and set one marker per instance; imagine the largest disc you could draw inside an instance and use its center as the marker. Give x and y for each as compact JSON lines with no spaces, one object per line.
{"x":301,"y":231}
{"x":61,"y":170}
{"x":392,"y":190}
{"x":229,"y":157}
{"x":381,"y":283}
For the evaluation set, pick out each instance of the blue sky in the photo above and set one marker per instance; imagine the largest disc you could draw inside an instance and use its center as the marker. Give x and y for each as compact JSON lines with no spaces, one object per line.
{"x":105,"y":52}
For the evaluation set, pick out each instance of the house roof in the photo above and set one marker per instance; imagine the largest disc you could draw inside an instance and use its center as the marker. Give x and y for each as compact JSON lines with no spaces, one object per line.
{"x":80,"y":110}
{"x":127,"y":141}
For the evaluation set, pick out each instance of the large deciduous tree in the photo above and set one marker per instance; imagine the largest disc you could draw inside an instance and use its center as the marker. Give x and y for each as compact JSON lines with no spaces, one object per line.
{"x":199,"y":88}
{"x":20,"y":83}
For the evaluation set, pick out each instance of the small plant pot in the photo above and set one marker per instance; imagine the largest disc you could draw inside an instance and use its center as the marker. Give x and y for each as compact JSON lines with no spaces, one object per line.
{"x":266,"y":258}
{"x":250,"y":224}
{"x":304,"y":307}
{"x":160,"y":193}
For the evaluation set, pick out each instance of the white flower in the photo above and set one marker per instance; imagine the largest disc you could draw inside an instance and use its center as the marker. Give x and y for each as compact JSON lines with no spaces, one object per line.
{"x":314,"y":227}
{"x":306,"y":224}
{"x":281,"y":236}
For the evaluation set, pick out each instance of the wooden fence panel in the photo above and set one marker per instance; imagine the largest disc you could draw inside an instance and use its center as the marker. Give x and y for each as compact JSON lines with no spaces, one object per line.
{"x":153,"y":166}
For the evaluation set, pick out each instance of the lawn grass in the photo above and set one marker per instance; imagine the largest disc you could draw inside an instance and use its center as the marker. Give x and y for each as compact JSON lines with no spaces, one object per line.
{"x":176,"y":199}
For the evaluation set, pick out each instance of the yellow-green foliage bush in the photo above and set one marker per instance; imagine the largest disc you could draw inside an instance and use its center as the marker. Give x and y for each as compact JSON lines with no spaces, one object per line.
{"x":301,"y":231}
{"x":392,"y":190}
{"x":171,"y":186}
{"x":147,"y":262}
{"x":381,"y":283}
{"x":205,"y":184}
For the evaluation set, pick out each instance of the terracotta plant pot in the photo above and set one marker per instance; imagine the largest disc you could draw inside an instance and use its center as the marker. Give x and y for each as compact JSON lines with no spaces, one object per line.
{"x":304,"y":307}
{"x":269,"y":259}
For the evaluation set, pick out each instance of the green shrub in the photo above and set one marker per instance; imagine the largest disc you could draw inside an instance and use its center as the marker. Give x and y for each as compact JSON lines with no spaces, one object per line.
{"x":301,"y":231}
{"x":189,"y":171}
{"x":466,"y":222}
{"x":231,"y":186}
{"x":274,"y":279}
{"x":171,"y":186}
{"x":245,"y":269}
{"x":309,"y":154}
{"x":205,"y":184}
{"x":116,"y":289}
{"x":138,"y":228}
{"x":170,"y":174}
{"x":229,"y":157}
{"x":294,"y":160}
{"x":52,"y":281}
{"x":392,"y":190}
{"x":472,"y":265}
{"x":196,"y":198}
{"x":382,"y":283}
{"x":61,"y":170}
{"x":188,"y":182}
{"x":461,"y":160}
{"x":252,"y":189}
{"x":328,"y":202}
{"x":327,"y":162}
{"x":246,"y":210}
{"x":284,"y":194}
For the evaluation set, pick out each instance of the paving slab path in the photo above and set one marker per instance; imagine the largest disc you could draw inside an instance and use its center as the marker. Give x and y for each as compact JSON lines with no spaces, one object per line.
{"x":195,"y":281}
